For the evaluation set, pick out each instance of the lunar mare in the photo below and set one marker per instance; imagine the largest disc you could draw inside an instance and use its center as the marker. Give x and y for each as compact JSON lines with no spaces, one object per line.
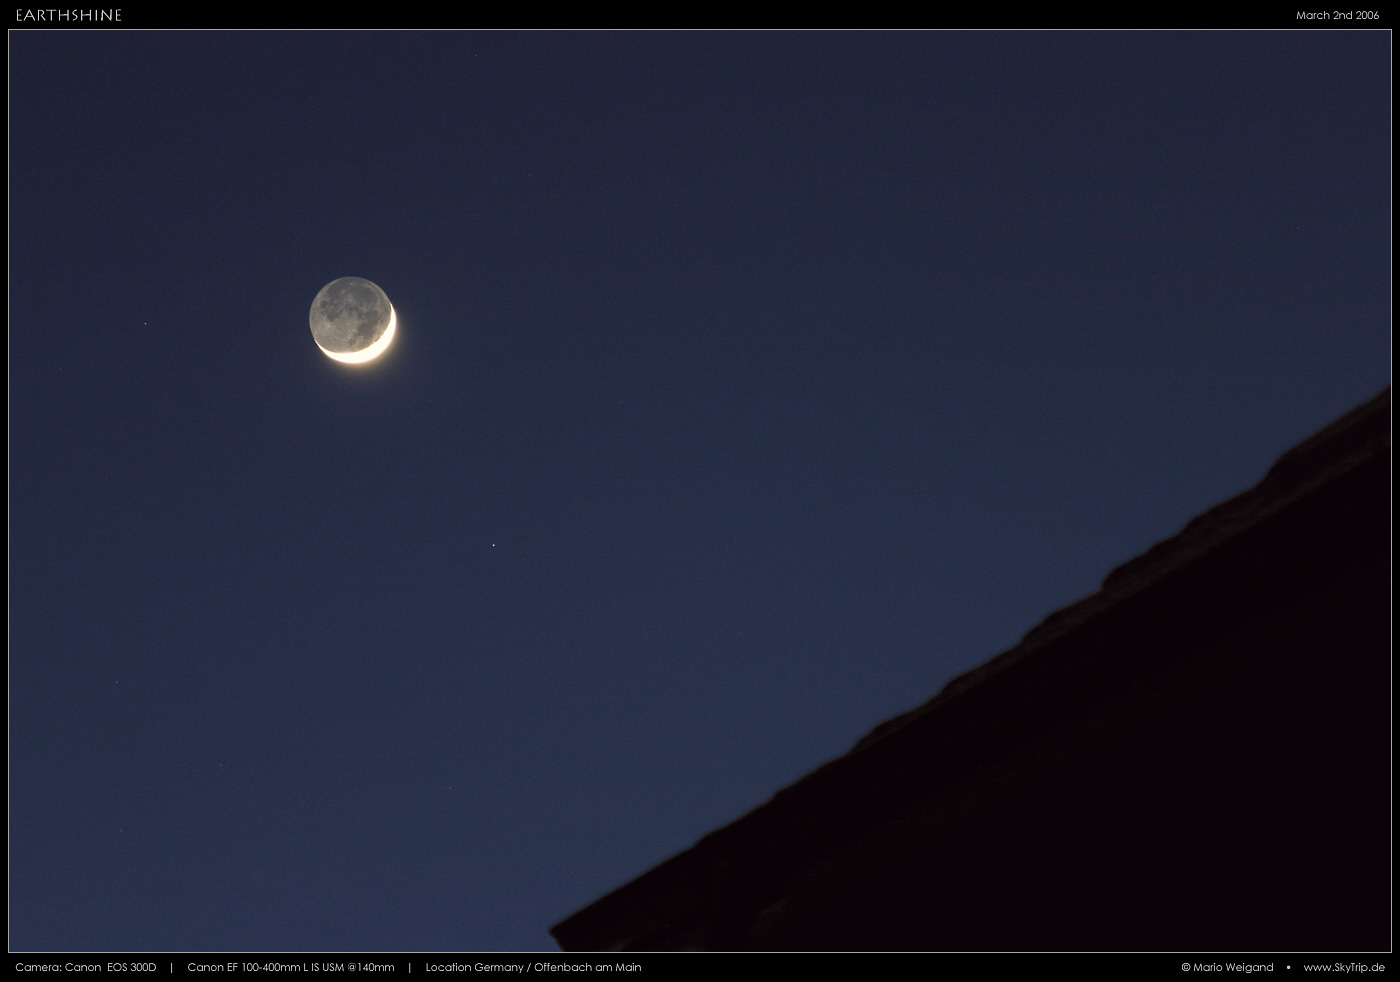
{"x":352,"y":320}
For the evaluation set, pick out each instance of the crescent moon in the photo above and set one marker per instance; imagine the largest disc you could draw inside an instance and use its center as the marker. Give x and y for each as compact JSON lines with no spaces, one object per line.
{"x":370,"y":353}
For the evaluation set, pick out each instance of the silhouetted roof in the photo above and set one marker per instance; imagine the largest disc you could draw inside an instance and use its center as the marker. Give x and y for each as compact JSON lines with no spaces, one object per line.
{"x":1310,"y":540}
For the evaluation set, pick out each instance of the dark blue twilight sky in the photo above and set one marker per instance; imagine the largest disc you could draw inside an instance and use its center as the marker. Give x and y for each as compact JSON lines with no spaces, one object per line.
{"x":747,"y":388}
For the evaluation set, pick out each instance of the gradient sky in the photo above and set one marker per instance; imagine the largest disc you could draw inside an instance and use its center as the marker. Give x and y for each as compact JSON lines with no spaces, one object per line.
{"x":747,"y":387}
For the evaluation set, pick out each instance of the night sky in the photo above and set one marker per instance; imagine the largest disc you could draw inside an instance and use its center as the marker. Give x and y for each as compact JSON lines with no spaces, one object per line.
{"x":747,"y":387}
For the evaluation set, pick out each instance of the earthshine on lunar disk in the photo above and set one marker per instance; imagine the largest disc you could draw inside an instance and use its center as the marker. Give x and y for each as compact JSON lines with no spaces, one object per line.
{"x":352,"y":320}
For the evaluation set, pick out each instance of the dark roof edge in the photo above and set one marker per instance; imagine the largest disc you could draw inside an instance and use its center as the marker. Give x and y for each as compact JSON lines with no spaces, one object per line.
{"x":1317,"y":460}
{"x":1335,"y":451}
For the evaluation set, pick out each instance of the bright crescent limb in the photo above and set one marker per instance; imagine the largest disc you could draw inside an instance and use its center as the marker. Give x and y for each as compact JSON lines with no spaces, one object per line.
{"x":373,"y":351}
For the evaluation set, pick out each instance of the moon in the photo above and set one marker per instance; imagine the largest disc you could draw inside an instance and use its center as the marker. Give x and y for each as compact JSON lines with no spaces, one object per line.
{"x":352,"y":320}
